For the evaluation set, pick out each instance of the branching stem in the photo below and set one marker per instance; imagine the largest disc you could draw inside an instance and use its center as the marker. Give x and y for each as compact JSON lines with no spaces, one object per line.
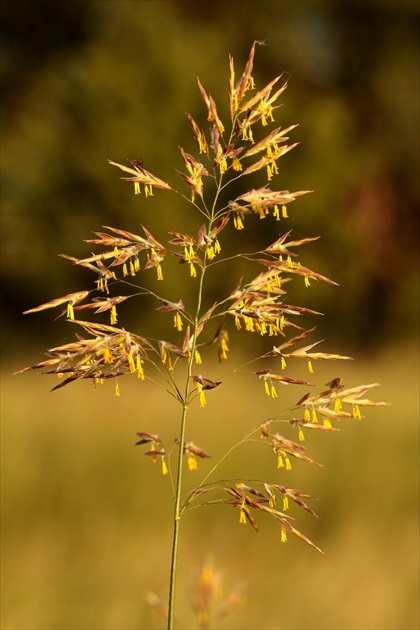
{"x":178,"y":486}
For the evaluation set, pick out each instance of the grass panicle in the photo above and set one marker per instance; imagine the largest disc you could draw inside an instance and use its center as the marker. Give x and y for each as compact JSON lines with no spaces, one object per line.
{"x":180,"y":362}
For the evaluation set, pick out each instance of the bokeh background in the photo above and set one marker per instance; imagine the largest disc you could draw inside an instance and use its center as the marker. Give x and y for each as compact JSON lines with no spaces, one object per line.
{"x":85,"y":529}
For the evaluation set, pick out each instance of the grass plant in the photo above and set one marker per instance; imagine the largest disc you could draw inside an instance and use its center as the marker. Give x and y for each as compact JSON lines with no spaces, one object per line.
{"x":189,"y":363}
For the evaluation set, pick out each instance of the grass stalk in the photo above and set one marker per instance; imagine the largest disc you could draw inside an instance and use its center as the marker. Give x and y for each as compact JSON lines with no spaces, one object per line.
{"x":177,"y":522}
{"x":178,"y":485}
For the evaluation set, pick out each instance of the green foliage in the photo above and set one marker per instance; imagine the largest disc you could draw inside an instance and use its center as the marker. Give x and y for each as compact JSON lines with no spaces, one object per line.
{"x":79,"y":84}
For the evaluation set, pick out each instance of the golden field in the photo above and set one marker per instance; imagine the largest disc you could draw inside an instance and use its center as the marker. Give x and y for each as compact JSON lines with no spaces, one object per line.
{"x":86,"y":528}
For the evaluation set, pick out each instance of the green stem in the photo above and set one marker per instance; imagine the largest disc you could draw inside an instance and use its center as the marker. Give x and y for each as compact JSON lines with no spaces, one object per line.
{"x":185,"y":401}
{"x":178,"y":488}
{"x":177,"y":522}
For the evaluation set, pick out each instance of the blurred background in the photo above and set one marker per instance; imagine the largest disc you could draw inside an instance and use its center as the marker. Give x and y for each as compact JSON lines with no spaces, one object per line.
{"x":84,"y":528}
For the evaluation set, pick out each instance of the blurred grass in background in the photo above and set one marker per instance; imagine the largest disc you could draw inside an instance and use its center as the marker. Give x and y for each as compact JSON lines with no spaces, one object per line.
{"x":85,"y":514}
